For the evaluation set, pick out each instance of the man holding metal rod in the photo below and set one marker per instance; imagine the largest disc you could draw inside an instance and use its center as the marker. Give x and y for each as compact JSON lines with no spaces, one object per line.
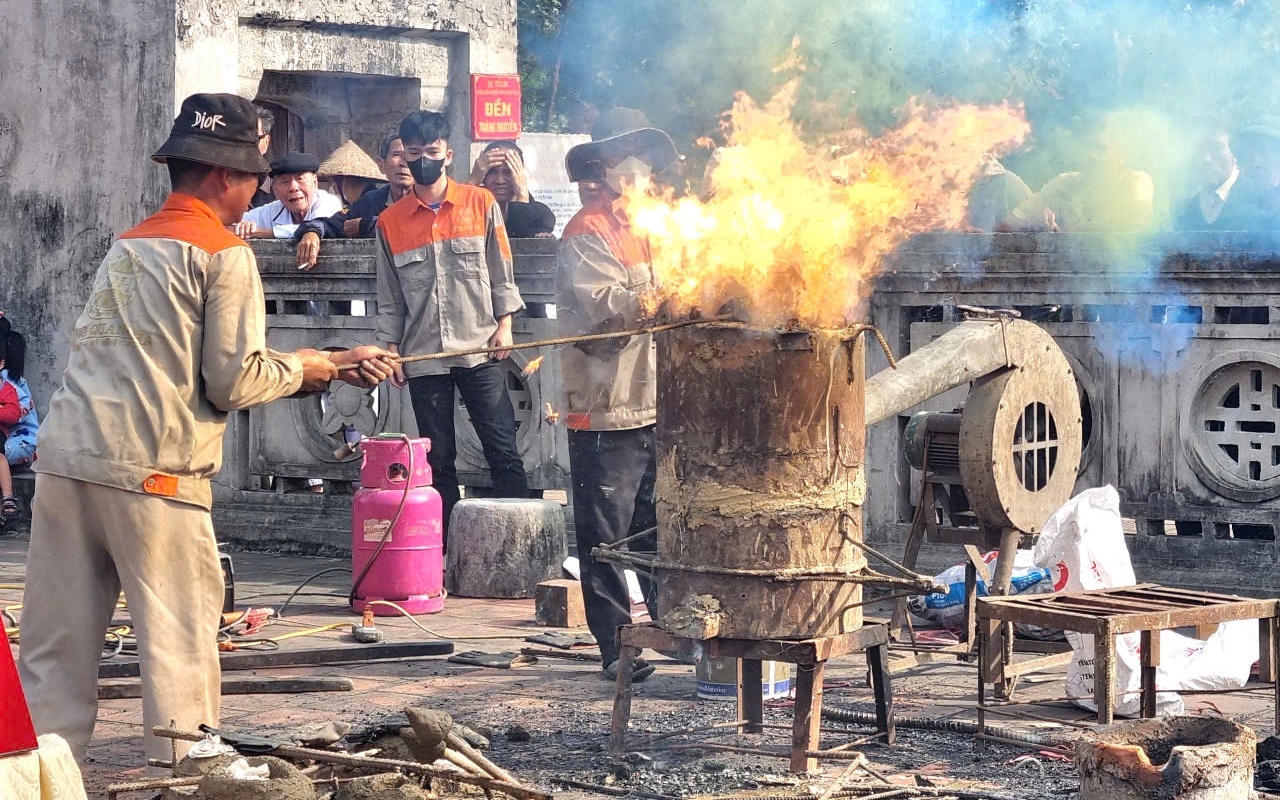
{"x":446,"y":282}
{"x":172,"y":339}
{"x":610,"y":386}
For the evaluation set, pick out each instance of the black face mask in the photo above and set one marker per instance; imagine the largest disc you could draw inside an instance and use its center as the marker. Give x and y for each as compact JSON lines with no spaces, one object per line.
{"x":427,"y":171}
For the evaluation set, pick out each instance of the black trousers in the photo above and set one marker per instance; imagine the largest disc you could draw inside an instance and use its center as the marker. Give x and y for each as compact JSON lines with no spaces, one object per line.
{"x":489,"y":406}
{"x":613,"y":498}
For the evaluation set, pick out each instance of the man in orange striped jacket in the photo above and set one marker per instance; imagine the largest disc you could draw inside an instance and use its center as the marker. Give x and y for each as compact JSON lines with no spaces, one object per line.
{"x":172,"y":338}
{"x":445,"y":282}
{"x":610,"y":405}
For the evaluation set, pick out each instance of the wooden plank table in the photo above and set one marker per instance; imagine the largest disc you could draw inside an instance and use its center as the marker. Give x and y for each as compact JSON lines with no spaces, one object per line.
{"x":1146,"y":609}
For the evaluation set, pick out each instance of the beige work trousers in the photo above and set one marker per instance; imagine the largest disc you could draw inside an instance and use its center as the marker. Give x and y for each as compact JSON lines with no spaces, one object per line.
{"x":87,"y":542}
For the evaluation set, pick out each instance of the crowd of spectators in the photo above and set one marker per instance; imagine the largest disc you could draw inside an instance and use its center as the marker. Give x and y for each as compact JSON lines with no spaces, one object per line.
{"x":1235,"y":179}
{"x":1236,"y":187}
{"x":307,"y":200}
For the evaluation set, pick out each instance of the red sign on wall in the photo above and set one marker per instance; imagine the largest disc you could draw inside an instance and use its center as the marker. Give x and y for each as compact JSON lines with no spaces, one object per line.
{"x":495,"y":107}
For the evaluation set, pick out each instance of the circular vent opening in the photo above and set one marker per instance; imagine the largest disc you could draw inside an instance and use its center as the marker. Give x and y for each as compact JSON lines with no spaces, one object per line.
{"x":1035,"y":447}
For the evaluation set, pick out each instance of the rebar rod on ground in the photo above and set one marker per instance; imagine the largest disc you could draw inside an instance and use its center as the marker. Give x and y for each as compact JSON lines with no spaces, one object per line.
{"x":948,"y":726}
{"x":1049,"y":748}
{"x":867,"y":792}
{"x":830,"y":755}
{"x":116,"y":789}
{"x":611,"y":791}
{"x":845,"y":774}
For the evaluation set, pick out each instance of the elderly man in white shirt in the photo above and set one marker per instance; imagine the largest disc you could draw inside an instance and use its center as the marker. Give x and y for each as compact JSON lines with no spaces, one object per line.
{"x":298,"y":199}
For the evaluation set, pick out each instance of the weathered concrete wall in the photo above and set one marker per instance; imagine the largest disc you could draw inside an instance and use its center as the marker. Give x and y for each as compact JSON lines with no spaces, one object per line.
{"x":86,"y":94}
{"x":334,"y":64}
{"x":88,"y":91}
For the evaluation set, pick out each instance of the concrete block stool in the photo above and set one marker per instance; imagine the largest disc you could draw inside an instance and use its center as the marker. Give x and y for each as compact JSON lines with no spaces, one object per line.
{"x":503,"y":548}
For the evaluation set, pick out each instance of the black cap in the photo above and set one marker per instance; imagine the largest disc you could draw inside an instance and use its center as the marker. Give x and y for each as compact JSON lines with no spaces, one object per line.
{"x":620,"y":129}
{"x":294,"y":163}
{"x":216,"y":129}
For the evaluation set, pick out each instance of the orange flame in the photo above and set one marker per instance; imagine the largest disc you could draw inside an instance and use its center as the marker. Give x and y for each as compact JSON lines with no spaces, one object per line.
{"x":798,"y":229}
{"x":531,"y":367}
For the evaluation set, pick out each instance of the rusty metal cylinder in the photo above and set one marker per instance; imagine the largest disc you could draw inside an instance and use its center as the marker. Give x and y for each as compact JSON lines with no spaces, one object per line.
{"x":760,"y":482}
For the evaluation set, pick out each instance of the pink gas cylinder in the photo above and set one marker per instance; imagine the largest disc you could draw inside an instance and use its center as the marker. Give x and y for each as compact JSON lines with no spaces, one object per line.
{"x":397,"y":533}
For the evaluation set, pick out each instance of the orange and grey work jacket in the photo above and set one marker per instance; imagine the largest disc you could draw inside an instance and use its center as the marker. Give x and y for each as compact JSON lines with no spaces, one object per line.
{"x":173,"y":337}
{"x":602,"y":275}
{"x":444,"y":277}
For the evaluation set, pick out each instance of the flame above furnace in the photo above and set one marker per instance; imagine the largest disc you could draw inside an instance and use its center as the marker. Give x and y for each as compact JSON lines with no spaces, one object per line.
{"x":796,"y":228}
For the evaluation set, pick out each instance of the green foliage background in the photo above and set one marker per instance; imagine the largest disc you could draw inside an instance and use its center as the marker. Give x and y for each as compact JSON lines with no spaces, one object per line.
{"x":1182,"y":66}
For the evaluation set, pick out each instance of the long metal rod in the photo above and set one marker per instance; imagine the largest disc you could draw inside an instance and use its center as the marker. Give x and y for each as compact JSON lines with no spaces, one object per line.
{"x":725,"y":322}
{"x":1062,"y":751}
{"x":840,"y":780}
{"x":909,"y":573}
{"x":686,"y":731}
{"x":868,"y":792}
{"x":710,"y":322}
{"x":719,"y":726}
{"x":610,"y":791}
{"x":830,"y":755}
{"x":840,"y":748}
{"x":629,"y":539}
{"x":1083,"y":726}
{"x":116,"y":789}
{"x":923,"y":585}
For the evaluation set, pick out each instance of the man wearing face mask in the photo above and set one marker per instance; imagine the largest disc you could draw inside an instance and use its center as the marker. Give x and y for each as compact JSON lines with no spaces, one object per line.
{"x":445,"y":282}
{"x":610,"y":406}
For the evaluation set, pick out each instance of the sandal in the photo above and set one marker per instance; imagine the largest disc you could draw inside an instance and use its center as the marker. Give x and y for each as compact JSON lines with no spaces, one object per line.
{"x":639,"y":671}
{"x":9,"y":506}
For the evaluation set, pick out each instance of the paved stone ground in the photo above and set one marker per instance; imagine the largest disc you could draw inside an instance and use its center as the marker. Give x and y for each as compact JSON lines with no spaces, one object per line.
{"x":565,"y":704}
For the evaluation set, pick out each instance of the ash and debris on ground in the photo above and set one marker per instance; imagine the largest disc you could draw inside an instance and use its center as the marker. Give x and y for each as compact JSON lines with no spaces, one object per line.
{"x":573,"y":744}
{"x":550,"y":721}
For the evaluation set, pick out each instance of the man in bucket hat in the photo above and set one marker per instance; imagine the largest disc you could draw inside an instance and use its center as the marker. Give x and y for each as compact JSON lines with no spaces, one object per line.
{"x":172,"y":338}
{"x":610,"y":404}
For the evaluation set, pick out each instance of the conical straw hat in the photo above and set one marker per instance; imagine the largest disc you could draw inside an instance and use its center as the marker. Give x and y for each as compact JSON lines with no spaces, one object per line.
{"x":349,"y":159}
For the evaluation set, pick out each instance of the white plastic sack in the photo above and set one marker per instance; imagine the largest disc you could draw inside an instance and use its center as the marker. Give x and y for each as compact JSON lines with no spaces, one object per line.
{"x":1086,"y":537}
{"x":633,"y":584}
{"x":241,"y":771}
{"x":947,"y":610}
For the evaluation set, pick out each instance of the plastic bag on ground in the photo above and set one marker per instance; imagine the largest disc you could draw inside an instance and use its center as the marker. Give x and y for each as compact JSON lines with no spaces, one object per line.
{"x":633,"y":584}
{"x":947,"y":610}
{"x":1086,"y":537}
